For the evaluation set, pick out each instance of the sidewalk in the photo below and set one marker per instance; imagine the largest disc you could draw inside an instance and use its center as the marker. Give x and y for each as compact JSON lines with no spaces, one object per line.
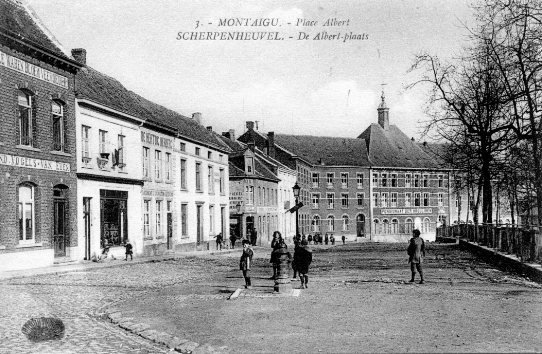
{"x":81,"y":266}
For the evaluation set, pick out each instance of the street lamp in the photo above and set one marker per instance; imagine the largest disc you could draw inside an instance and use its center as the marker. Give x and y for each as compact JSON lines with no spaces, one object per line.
{"x":296,"y":190}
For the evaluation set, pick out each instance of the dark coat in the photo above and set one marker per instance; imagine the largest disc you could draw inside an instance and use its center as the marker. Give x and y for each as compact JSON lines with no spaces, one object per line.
{"x":246,"y":259}
{"x":415,"y":250}
{"x":302,"y":259}
{"x":128,"y":247}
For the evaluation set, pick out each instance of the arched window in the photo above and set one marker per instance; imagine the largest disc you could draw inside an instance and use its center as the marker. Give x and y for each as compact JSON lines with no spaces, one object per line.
{"x":57,"y":111}
{"x":376,"y":226}
{"x":426,"y":225}
{"x":316,"y":223}
{"x":385,"y":226}
{"x":25,"y":210}
{"x":409,"y":226}
{"x":345,"y":222}
{"x":26,"y":128}
{"x":394,"y":226}
{"x":331,"y":223}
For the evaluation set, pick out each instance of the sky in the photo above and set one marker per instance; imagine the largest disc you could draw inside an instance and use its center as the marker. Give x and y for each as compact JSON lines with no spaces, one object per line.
{"x":290,"y":86}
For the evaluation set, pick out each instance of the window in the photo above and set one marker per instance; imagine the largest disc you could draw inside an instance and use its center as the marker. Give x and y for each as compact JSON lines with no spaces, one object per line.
{"x":210,"y":177}
{"x":385,"y":226}
{"x":157,"y":164}
{"x":393,"y":200}
{"x":345,"y":223}
{"x":416,"y":181}
{"x":440,"y":181}
{"x":408,"y":199}
{"x":440,"y":198}
{"x":211,"y":219}
{"x":315,"y":200}
{"x":457,"y":200}
{"x":384,"y":180}
{"x":416,"y":199}
{"x":209,"y":155}
{"x":329,"y":179}
{"x":394,"y":180}
{"x":426,"y":225}
{"x":57,"y":110}
{"x":408,"y":180}
{"x":184,"y":218}
{"x":426,"y":199}
{"x":103,"y":141}
{"x":249,"y":195}
{"x":344,"y":200}
{"x":250,"y":165}
{"x":375,"y":179}
{"x":85,"y":153}
{"x":146,"y":162}
{"x":359,"y":179}
{"x":384,"y":200}
{"x":183,"y":147}
{"x":221,"y":184}
{"x":168,"y":166}
{"x":26,"y":127}
{"x":331,"y":223}
{"x":121,"y":158}
{"x":25,"y":207}
{"x":394,"y":226}
{"x":198,"y":176}
{"x":198,"y":151}
{"x":330,"y":200}
{"x":183,"y":174}
{"x":376,"y":226}
{"x":315,"y":179}
{"x":344,"y":180}
{"x":316,"y":223}
{"x":158,"y":218}
{"x":375,"y":199}
{"x":360,"y":197}
{"x":220,"y":157}
{"x":409,"y":226}
{"x":425,"y":181}
{"x":146,"y":217}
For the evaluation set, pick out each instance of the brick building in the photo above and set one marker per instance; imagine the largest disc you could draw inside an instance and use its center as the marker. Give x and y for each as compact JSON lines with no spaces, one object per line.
{"x":37,"y":143}
{"x":378,"y":186}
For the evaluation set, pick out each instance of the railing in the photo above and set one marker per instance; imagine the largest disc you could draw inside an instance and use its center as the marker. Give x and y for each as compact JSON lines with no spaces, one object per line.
{"x":525,"y":242}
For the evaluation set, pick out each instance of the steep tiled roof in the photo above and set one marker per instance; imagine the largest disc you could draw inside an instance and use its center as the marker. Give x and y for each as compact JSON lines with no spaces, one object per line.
{"x":233,"y":145}
{"x":237,"y":160}
{"x":392,"y":148}
{"x":328,"y":150}
{"x":441,"y":153}
{"x":107,"y":91}
{"x":17,"y":20}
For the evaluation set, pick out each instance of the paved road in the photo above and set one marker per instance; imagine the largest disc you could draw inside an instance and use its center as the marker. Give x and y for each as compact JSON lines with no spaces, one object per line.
{"x":358,"y":301}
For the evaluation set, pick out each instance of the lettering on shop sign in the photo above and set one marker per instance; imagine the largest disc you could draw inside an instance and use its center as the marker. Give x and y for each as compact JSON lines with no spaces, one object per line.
{"x":407,"y":211}
{"x":152,"y":139}
{"x":28,"y":162}
{"x":35,"y":71}
{"x":158,"y":193}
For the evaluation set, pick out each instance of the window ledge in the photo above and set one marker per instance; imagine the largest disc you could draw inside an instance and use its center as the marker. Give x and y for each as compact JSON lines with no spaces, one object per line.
{"x":123,"y":172}
{"x":26,"y":147}
{"x":184,"y":189}
{"x":199,"y":191}
{"x":88,"y":167}
{"x":60,"y":153}
{"x":185,"y":237}
{"x":28,"y":245}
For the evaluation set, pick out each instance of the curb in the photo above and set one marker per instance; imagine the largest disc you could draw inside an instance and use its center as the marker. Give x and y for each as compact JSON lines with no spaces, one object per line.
{"x":511,"y":263}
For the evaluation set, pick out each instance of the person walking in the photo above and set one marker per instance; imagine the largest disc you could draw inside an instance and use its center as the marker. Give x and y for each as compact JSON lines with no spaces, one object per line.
{"x":129,"y":250}
{"x":326,"y":239}
{"x":233,"y":238}
{"x":332,"y":239}
{"x":302,"y":261}
{"x":309,"y":239}
{"x":245,"y":263}
{"x":416,"y":252}
{"x":219,"y":240}
{"x":274,"y":246}
{"x":344,"y":239}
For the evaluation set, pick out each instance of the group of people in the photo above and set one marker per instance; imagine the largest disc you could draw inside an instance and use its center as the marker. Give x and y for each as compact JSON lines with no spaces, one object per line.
{"x":326,"y":239}
{"x":303,"y":257}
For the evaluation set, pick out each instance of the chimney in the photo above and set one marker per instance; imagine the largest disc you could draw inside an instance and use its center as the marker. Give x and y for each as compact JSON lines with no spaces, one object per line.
{"x":232,"y":134}
{"x":383,"y":114}
{"x":250,"y":125}
{"x":80,"y":55}
{"x":210,"y":128}
{"x":197,"y":117}
{"x":271,"y":144}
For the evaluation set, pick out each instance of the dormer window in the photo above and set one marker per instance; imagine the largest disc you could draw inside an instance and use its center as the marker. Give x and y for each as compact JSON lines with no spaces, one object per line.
{"x":249,"y":163}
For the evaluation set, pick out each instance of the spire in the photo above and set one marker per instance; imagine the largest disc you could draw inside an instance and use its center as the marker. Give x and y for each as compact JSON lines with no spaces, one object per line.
{"x":383,"y":112}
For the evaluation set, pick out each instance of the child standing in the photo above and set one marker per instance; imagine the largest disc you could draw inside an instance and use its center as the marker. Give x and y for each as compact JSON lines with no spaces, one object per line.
{"x":245,"y":262}
{"x":128,"y":246}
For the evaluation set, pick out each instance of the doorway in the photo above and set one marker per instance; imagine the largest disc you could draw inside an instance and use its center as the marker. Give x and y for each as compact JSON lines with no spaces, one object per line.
{"x":86,"y":219}
{"x":114,"y":218}
{"x":59,"y":220}
{"x":360,"y":225}
{"x":199,"y":225}
{"x":169,"y":217}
